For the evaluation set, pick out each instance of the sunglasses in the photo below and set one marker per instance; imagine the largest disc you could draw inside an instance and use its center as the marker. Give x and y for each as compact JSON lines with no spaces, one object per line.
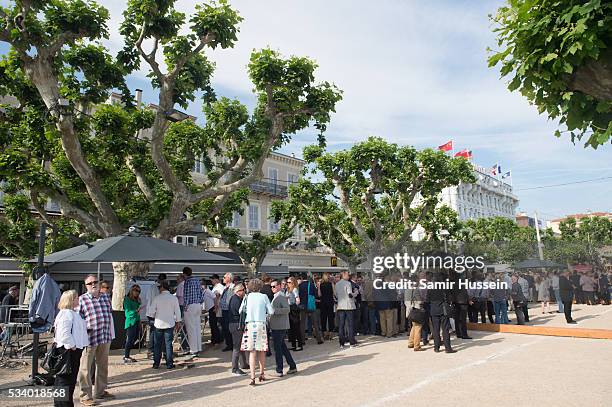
{"x":274,"y":286}
{"x":92,"y":283}
{"x":136,"y":291}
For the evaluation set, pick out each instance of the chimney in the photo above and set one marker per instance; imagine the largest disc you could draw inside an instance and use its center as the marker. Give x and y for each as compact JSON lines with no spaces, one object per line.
{"x":293,"y":155}
{"x":138,"y":97}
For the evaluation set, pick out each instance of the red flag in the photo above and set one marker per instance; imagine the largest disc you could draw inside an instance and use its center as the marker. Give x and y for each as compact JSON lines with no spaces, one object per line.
{"x":465,"y":154}
{"x":446,"y":147}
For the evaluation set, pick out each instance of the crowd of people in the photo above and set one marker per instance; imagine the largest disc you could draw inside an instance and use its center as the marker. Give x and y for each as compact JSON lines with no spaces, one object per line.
{"x":250,"y":318}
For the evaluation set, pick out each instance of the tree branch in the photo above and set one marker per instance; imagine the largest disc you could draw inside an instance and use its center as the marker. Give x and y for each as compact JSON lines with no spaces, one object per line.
{"x":399,"y":242}
{"x":204,"y":41}
{"x":594,"y":78}
{"x":67,"y":209}
{"x":345,"y":204}
{"x":40,"y":72}
{"x":140,"y":179}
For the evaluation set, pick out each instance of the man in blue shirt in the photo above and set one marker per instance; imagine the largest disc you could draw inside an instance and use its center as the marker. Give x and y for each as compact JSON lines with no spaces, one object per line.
{"x":193,"y":299}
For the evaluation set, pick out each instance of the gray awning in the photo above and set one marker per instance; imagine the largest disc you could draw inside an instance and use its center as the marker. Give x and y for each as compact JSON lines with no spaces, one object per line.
{"x":132,"y":248}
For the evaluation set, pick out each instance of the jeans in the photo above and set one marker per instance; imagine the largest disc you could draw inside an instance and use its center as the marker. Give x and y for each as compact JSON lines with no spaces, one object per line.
{"x":501,"y":312}
{"x":163,"y":336}
{"x":151,"y":335}
{"x":558,"y":299}
{"x":372,"y":317}
{"x":280,"y":350}
{"x":131,"y":335}
{"x":345,"y":319}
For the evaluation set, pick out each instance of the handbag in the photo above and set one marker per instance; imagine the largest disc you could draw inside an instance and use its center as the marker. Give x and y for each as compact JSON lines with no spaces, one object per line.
{"x":57,"y":361}
{"x":311,"y":306}
{"x":448,"y":309}
{"x":416,"y":314}
{"x":243,"y":315}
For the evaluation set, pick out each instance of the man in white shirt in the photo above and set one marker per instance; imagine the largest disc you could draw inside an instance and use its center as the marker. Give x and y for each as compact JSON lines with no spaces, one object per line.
{"x":214,"y":314}
{"x":167,"y":314}
{"x":555,"y":286}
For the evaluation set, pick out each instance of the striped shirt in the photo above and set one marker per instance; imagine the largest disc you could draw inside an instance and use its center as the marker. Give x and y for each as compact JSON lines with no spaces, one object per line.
{"x":98,"y":315}
{"x":192,"y":292}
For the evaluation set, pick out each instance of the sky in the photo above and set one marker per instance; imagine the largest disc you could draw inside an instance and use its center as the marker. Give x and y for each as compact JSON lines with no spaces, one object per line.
{"x":413,"y":72}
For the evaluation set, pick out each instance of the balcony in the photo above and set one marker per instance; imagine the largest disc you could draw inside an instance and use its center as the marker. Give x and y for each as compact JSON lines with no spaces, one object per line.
{"x":269,"y":188}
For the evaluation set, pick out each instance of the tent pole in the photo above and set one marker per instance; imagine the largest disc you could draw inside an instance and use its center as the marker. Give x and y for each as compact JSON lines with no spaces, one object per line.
{"x":98,"y":272}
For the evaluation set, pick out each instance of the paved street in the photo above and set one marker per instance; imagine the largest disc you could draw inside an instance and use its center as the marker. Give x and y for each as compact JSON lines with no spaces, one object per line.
{"x":492,"y":367}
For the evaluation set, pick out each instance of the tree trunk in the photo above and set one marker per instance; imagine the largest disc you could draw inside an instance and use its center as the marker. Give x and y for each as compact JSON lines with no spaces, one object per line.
{"x":122,"y":273}
{"x":252,"y":270}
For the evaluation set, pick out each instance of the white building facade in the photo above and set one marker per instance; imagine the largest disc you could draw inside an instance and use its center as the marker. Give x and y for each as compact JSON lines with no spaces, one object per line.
{"x":486,"y":198}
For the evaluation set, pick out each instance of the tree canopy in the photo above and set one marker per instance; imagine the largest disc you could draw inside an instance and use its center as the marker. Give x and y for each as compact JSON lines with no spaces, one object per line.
{"x":558,"y":54}
{"x":109,"y":166}
{"x":367,"y":200}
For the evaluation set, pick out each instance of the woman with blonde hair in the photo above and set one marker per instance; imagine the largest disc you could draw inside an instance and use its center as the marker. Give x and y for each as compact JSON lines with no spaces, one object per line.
{"x":257,"y":307}
{"x":131,"y":307}
{"x":294,"y":315}
{"x":71,"y":334}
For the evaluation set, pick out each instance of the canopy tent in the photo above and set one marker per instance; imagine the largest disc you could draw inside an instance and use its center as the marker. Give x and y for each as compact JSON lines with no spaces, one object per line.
{"x":131,"y":248}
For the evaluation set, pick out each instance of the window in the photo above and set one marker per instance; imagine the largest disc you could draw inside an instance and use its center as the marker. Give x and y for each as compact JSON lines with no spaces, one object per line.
{"x":198,"y":166}
{"x":254,"y":217}
{"x":272,"y":226}
{"x":235,"y":221}
{"x":292,"y":179}
{"x":273,"y":175}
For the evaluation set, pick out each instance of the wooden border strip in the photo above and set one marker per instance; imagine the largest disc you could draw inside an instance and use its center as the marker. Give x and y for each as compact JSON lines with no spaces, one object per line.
{"x":543,"y":330}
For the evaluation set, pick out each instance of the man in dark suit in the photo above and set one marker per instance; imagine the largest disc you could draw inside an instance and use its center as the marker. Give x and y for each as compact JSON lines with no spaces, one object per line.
{"x":462,"y":301}
{"x":566,"y":291}
{"x":436,"y":299}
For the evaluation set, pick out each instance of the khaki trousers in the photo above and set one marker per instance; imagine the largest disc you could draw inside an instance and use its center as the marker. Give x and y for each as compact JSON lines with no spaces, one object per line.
{"x":100,"y":353}
{"x":387,"y":327}
{"x":192,"y":326}
{"x":414,"y":340}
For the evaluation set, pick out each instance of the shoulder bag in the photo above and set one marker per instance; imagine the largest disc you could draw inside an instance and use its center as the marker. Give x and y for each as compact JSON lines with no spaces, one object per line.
{"x":243,"y":316}
{"x":311,"y":300}
{"x":416,"y":315}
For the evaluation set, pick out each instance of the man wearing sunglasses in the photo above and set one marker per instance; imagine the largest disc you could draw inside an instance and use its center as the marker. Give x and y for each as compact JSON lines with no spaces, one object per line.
{"x":95,"y":307}
{"x":279,"y":324}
